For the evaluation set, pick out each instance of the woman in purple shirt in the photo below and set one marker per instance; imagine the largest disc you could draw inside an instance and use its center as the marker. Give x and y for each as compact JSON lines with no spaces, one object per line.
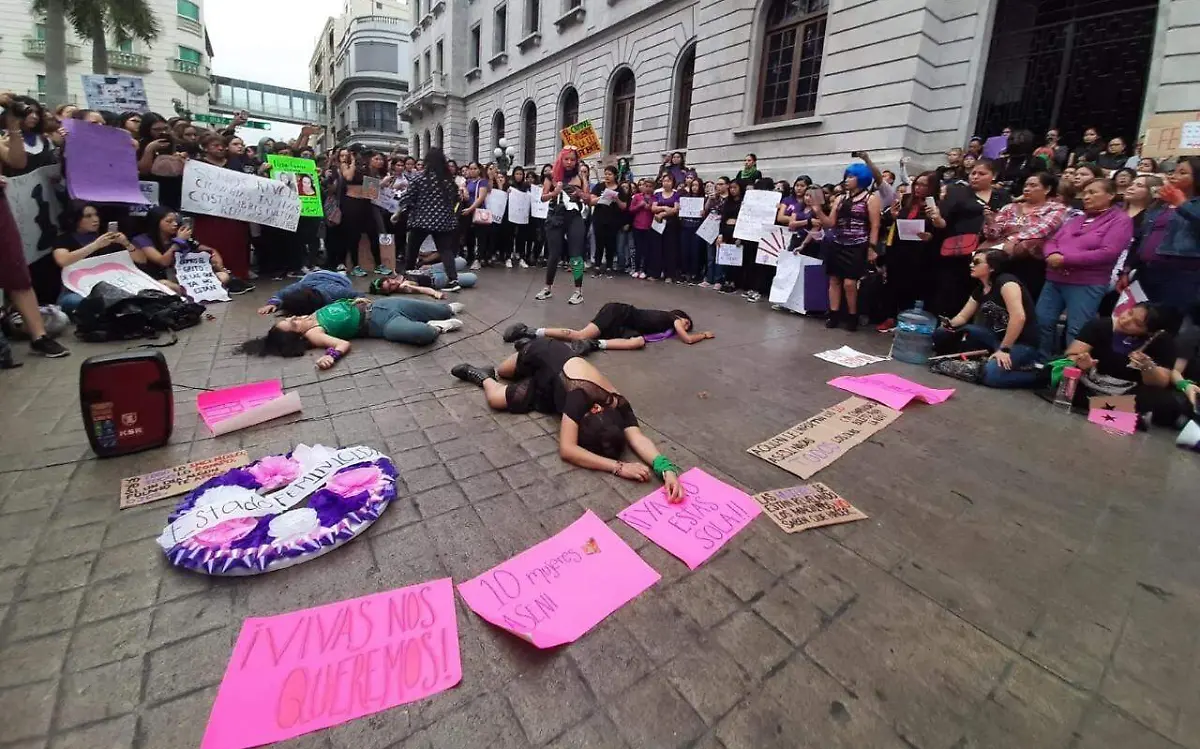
{"x":476,"y":192}
{"x":666,"y":209}
{"x":1079,"y":262}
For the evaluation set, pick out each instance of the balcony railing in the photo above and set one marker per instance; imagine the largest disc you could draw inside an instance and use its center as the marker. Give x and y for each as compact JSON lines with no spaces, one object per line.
{"x":431,"y":93}
{"x":41,"y":97}
{"x":189,"y":24}
{"x":37,"y":48}
{"x":128,"y":61}
{"x":375,"y":126}
{"x":192,"y":76}
{"x":383,"y":23}
{"x":187,"y":67}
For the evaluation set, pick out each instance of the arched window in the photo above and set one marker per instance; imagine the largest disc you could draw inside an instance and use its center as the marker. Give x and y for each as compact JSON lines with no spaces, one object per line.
{"x":793,"y":40}
{"x":473,"y":141}
{"x":529,"y":133}
{"x":569,"y":108}
{"x":683,"y":98}
{"x":620,"y":127}
{"x":416,"y":145}
{"x":428,"y":143}
{"x":440,"y":138}
{"x":497,"y":128}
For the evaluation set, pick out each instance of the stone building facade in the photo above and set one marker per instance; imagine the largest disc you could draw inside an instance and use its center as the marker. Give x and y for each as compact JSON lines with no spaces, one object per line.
{"x":801,"y":83}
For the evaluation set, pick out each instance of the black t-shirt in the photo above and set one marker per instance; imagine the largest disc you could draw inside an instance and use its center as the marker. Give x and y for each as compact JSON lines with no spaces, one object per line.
{"x":1188,"y":347}
{"x":993,"y":312}
{"x":651,"y":321}
{"x":1111,"y":350}
{"x":243,"y":164}
{"x":611,"y":214}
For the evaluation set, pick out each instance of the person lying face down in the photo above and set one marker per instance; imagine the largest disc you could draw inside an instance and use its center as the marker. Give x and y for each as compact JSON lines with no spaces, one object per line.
{"x":597,"y":422}
{"x":619,"y":327}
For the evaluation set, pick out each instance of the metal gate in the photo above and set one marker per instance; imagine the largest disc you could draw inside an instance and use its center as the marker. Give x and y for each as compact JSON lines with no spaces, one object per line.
{"x":1070,"y":64}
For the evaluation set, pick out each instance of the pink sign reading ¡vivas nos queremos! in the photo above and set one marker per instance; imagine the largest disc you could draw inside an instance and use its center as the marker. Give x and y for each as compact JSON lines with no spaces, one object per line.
{"x":218,"y":405}
{"x":310,"y":669}
{"x":694,"y":529}
{"x":891,"y":390}
{"x":554,"y":592}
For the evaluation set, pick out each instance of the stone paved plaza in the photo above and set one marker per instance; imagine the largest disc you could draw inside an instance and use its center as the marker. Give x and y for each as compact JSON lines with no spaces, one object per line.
{"x":1025,"y":580}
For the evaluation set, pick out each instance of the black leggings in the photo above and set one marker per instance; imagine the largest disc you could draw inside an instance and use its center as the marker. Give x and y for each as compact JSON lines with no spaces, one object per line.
{"x":446,"y":242}
{"x":573,"y":234}
{"x":606,"y":244}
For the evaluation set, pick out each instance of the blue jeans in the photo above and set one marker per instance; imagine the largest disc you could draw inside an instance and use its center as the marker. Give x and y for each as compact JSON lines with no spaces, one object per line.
{"x":975,"y":337}
{"x":466,"y":279}
{"x":1080,"y":302}
{"x":716,"y":273}
{"x":406,"y":320}
{"x":641,"y":244}
{"x":69,"y":301}
{"x":624,"y":250}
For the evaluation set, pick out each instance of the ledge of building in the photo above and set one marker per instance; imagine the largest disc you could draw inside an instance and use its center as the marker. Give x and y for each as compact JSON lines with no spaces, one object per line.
{"x":768,"y":127}
{"x":532,"y":39}
{"x":500,"y":58}
{"x":571,"y":17}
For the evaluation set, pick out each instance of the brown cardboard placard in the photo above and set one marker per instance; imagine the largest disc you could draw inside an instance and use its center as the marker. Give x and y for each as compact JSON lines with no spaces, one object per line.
{"x":1123,"y":403}
{"x":799,"y":508}
{"x":169,"y":482}
{"x":1166,"y":135}
{"x":815,"y":443}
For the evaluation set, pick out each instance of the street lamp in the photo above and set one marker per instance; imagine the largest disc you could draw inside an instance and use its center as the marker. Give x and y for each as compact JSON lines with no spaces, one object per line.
{"x":504,"y":154}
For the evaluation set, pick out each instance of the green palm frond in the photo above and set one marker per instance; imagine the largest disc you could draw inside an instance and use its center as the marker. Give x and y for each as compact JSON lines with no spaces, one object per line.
{"x":126,"y":19}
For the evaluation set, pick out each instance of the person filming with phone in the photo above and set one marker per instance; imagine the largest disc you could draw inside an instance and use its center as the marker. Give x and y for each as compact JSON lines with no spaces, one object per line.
{"x":87,"y":241}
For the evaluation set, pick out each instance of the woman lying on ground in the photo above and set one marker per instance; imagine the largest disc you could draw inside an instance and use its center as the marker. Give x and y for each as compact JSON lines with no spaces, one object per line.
{"x":333,"y":326}
{"x":304,"y":297}
{"x":998,"y":318}
{"x":597,"y":422}
{"x":619,"y":327}
{"x":430,"y":271}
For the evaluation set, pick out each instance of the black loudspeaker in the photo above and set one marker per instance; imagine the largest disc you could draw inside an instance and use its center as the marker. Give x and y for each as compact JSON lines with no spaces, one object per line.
{"x":126,"y":401}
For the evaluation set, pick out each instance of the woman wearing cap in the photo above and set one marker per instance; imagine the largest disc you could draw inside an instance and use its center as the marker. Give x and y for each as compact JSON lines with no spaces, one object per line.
{"x":855,"y":222}
{"x":597,"y":421}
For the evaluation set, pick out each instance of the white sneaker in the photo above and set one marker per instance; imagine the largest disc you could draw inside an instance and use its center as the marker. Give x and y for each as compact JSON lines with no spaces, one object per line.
{"x":524,"y":264}
{"x":476,"y":265}
{"x":445,"y":326}
{"x":457,"y":307}
{"x":576,"y":298}
{"x":544,"y":294}
{"x":512,"y":262}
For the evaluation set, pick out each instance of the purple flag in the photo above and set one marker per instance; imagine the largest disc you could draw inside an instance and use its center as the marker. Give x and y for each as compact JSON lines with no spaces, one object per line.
{"x":101,"y":164}
{"x":994,"y":146}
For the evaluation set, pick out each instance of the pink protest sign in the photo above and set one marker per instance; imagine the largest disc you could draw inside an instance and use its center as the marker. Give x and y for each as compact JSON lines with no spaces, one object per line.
{"x":310,"y":669}
{"x":218,"y":405}
{"x":694,"y":529}
{"x":891,"y":390}
{"x":554,"y":592}
{"x":1116,"y":421}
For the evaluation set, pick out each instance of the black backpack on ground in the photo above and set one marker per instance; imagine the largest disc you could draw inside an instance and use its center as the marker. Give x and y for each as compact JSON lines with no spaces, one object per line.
{"x":112,"y":314}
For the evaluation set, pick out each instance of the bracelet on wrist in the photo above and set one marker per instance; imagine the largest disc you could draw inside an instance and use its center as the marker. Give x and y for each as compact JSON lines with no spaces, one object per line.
{"x":1183,"y":385}
{"x":663,"y":464}
{"x":333,"y":353}
{"x":617,"y":469}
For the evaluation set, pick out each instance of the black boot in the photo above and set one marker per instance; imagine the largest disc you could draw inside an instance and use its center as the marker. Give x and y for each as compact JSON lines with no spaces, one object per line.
{"x":852,"y":322}
{"x":517,"y":331}
{"x":473,"y":375}
{"x":833,"y":319}
{"x":585,"y":347}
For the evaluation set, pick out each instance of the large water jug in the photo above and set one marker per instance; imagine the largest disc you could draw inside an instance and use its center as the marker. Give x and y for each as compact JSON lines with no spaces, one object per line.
{"x":913,"y":341}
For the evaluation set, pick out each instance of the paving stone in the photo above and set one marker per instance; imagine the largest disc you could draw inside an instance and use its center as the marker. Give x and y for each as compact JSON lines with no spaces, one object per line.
{"x":134,"y":525}
{"x":33,"y":660}
{"x":70,"y":542}
{"x":183,"y":666}
{"x":644,"y":617}
{"x":548,"y":698}
{"x":755,"y":646}
{"x":486,"y":723}
{"x":610,"y":659}
{"x":463,"y":542}
{"x":119,"y":596}
{"x":102,"y":692}
{"x":108,"y":641}
{"x":468,"y":466}
{"x":788,"y":612}
{"x":597,"y":732}
{"x":27,"y":709}
{"x":119,"y":732}
{"x":374,"y":731}
{"x":190,"y":616}
{"x":179,"y":722}
{"x":709,"y":679}
{"x":744,"y":577}
{"x":483,"y":486}
{"x":702,"y":597}
{"x":52,"y":613}
{"x":54,"y":577}
{"x":651,"y":713}
{"x":440,"y":500}
{"x":426,"y":478}
{"x":132,"y":558}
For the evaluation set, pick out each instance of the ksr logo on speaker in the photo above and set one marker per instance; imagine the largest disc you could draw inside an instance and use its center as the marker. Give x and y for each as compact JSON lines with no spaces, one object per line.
{"x":129,"y":419}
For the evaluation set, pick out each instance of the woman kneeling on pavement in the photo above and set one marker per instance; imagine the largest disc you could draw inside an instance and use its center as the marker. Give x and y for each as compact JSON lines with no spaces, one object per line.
{"x":597,"y":421}
{"x":1004,"y":325}
{"x":332,"y":327}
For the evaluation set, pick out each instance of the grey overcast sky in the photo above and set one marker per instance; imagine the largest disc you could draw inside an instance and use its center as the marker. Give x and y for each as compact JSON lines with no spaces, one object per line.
{"x":267,"y":41}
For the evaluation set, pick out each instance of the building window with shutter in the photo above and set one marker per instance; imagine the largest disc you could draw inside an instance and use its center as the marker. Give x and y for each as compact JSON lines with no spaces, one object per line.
{"x":620,"y":131}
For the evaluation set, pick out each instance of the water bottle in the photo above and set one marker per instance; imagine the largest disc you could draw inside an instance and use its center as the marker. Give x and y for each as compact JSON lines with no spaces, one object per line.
{"x":913,"y":342}
{"x":1064,"y":397}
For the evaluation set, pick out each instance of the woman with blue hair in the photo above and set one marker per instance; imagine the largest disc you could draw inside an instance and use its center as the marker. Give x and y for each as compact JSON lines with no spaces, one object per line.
{"x":855,"y":223}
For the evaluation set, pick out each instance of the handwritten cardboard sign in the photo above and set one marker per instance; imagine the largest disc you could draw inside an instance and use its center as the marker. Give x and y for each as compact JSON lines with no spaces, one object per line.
{"x":800,"y":508}
{"x":848,"y":357}
{"x":35,"y":207}
{"x":195,"y":274}
{"x":757,"y":215}
{"x":116,"y":268}
{"x":215,"y":191}
{"x":308,"y":185}
{"x":582,"y":137}
{"x":815,"y":443}
{"x":711,"y":513}
{"x":891,"y":390}
{"x":554,"y":592}
{"x":310,"y":669}
{"x":170,"y":482}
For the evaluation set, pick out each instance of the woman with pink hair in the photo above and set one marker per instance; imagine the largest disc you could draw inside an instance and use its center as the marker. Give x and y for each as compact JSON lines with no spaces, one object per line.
{"x":567,"y":193}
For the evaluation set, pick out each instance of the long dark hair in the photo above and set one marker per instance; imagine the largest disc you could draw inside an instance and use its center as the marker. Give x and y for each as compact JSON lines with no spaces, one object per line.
{"x":149,"y":120}
{"x":302,"y":301}
{"x":276,"y":342}
{"x":154,"y":218}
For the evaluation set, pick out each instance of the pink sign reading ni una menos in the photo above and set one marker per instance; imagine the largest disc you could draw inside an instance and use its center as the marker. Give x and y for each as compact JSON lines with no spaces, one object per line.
{"x":711,"y":513}
{"x":298,"y":672}
{"x":554,"y":592}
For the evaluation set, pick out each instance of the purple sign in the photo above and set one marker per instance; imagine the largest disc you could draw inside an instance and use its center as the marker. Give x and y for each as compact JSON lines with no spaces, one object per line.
{"x":101,"y":164}
{"x":995,"y":146}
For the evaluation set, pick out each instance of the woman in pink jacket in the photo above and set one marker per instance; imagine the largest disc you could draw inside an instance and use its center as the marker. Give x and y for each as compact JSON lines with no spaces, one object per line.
{"x":1079,"y":263}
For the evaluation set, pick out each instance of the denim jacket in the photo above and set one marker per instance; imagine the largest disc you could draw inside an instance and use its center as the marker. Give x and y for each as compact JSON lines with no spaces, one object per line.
{"x":1183,"y":232}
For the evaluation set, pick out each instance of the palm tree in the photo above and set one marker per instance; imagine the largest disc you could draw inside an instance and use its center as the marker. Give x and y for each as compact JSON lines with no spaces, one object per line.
{"x":94,"y":19}
{"x":56,"y":49}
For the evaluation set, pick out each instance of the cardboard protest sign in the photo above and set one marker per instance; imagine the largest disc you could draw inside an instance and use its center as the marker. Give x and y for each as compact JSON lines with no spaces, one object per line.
{"x":1118,"y":422}
{"x":519,"y":206}
{"x":115,"y":93}
{"x":800,"y":284}
{"x":35,"y":208}
{"x":582,"y":137}
{"x":150,"y":193}
{"x":101,"y":163}
{"x":308,"y":185}
{"x":729,"y":254}
{"x":214,"y":191}
{"x":709,"y":228}
{"x":1123,"y":403}
{"x":496,"y":201}
{"x":116,"y":268}
{"x":194,"y":272}
{"x":711,"y":513}
{"x":891,"y":390}
{"x":537,"y":207}
{"x":1172,"y":135}
{"x":229,"y":409}
{"x":691,"y":207}
{"x":169,"y":482}
{"x":296,"y":673}
{"x":815,"y":443}
{"x":555,"y":591}
{"x":800,"y":508}
{"x":1132,"y":296}
{"x":848,"y":357}
{"x":387,"y":200}
{"x":757,"y":214}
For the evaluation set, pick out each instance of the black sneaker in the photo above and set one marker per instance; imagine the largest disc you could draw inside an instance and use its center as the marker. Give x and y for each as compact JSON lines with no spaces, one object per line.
{"x":517,"y":331}
{"x":49,"y":348}
{"x":238,"y":287}
{"x":473,"y":375}
{"x":452,"y":287}
{"x":852,"y":323}
{"x":833,"y":320}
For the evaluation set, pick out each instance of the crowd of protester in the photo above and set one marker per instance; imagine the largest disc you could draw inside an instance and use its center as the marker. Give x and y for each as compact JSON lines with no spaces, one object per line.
{"x":1022,"y":256}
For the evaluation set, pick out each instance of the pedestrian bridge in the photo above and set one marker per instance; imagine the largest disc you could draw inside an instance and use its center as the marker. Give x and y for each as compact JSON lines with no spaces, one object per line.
{"x":266,"y":102}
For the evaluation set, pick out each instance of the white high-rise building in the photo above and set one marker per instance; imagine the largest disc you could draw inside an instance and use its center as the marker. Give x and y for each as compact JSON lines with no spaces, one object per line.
{"x":360,"y":63}
{"x":175,"y":68}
